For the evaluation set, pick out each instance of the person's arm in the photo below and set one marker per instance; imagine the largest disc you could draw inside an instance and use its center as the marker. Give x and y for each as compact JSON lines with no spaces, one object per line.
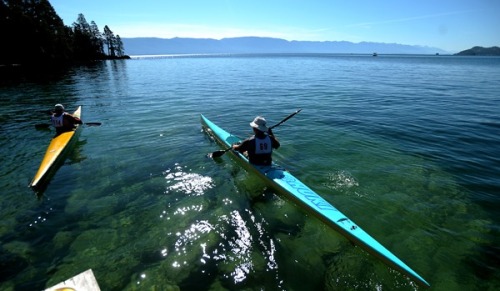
{"x":74,"y":119}
{"x":241,"y":147}
{"x":275,"y":142}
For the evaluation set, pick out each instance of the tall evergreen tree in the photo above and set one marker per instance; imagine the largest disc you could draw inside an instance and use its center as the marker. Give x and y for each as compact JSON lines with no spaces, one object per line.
{"x":32,"y":32}
{"x":82,"y":42}
{"x":119,"y":47}
{"x":81,"y":24}
{"x":96,"y":39}
{"x":109,"y":39}
{"x":50,"y":35}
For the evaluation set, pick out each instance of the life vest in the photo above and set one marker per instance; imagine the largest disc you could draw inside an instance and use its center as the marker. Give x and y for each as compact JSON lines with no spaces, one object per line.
{"x":263,"y":145}
{"x":261,"y":154}
{"x":58,"y":121}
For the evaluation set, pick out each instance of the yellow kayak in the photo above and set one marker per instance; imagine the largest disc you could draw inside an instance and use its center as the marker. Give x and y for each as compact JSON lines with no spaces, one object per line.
{"x":55,"y":152}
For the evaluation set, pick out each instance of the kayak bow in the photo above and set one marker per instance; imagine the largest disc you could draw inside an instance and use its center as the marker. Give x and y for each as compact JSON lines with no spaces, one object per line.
{"x":292,"y":188}
{"x":55,"y":153}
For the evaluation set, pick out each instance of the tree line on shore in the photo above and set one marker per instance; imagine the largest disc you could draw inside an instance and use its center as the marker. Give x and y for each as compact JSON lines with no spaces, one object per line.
{"x":33,"y":33}
{"x":480,"y":51}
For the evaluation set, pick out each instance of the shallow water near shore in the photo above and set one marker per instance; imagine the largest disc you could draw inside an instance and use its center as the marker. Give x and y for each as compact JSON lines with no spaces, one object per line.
{"x":406,"y":146}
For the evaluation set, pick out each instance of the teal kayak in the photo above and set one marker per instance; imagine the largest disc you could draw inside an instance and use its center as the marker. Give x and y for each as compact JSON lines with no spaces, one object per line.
{"x":293,"y":189}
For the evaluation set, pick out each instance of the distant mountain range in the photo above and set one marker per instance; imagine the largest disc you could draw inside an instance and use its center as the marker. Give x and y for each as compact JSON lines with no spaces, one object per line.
{"x":480,"y":51}
{"x":249,"y":45}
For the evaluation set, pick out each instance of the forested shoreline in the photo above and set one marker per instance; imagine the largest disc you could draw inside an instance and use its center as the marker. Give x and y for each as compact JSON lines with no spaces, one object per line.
{"x":480,"y":51}
{"x":32,"y":33}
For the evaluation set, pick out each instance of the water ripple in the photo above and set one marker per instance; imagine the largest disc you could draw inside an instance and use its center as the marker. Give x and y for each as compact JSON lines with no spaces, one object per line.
{"x":188,"y":183}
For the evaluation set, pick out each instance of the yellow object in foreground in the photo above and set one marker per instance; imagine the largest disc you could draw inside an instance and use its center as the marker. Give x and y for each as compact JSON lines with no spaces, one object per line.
{"x":55,"y":152}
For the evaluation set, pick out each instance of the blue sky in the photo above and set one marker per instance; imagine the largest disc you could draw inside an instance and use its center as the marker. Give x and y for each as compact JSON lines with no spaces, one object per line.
{"x":452,"y":25}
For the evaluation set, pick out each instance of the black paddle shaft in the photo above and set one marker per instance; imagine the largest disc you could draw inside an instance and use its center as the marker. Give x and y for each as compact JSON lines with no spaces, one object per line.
{"x":47,"y":125}
{"x":288,"y":117}
{"x":219,"y":153}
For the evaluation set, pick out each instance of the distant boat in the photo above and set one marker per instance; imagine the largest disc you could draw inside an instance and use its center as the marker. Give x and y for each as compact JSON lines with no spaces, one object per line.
{"x":375,"y":54}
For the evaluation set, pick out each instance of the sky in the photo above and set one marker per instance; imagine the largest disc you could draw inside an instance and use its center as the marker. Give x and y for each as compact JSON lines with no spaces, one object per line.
{"x":451,"y":25}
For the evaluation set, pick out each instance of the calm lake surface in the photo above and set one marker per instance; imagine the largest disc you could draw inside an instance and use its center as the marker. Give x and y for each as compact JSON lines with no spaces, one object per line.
{"x":408,"y":147}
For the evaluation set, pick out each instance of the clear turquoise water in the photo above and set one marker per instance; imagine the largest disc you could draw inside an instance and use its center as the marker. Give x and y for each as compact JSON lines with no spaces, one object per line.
{"x":406,"y":146}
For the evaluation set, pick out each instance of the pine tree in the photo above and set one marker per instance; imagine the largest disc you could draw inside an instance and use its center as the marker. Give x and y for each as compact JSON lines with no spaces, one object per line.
{"x":119,"y":47}
{"x":82,"y":42}
{"x":32,"y":32}
{"x":96,"y":39}
{"x":109,"y":39}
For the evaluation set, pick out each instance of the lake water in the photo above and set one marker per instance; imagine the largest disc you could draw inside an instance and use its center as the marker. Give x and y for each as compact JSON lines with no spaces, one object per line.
{"x":408,"y":147}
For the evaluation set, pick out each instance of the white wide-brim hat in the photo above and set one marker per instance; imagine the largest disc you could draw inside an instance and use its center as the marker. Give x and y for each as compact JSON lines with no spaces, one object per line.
{"x":259,"y":123}
{"x":59,"y":107}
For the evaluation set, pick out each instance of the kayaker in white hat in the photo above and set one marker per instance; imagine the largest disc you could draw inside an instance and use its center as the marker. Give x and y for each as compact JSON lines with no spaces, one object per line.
{"x":62,"y":120}
{"x":259,"y":147}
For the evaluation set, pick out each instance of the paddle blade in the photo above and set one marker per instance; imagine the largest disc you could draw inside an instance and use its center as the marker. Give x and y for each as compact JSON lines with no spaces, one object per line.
{"x":93,"y":123}
{"x":218,"y":154}
{"x":42,"y":126}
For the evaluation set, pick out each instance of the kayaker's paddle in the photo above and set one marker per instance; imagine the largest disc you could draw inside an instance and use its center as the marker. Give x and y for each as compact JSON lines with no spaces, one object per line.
{"x":288,"y":117}
{"x":47,"y":125}
{"x":219,"y":153}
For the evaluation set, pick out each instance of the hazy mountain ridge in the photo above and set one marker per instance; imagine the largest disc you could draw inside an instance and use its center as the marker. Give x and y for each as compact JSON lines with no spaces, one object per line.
{"x":158,"y":46}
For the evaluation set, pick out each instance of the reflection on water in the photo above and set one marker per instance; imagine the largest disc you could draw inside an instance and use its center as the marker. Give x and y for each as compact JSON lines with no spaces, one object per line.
{"x":188,"y":183}
{"x":239,"y":247}
{"x":341,"y":180}
{"x":226,"y":246}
